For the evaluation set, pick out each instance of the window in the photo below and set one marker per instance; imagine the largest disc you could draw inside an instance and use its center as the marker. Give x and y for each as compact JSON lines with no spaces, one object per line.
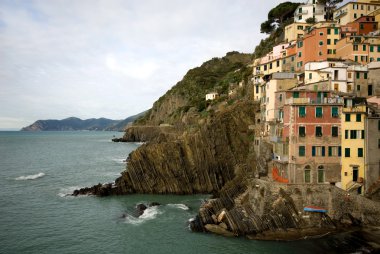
{"x":318,"y":112}
{"x":328,"y":41}
{"x":353,"y":134}
{"x":318,"y":151}
{"x":371,"y":48}
{"x":296,"y":94}
{"x":358,"y":75}
{"x":348,"y":118}
{"x":302,"y":131}
{"x":335,"y":41}
{"x":357,"y":87}
{"x":328,"y":31}
{"x":370,"y":89}
{"x":364,"y":47}
{"x":358,"y":117}
{"x":301,"y":151}
{"x":270,"y":66}
{"x":300,"y":27}
{"x":355,"y":47}
{"x":355,"y":15}
{"x":299,"y":44}
{"x":299,"y":54}
{"x":378,"y":125}
{"x":278,"y":64}
{"x":333,"y":151}
{"x":356,"y":58}
{"x":310,"y":75}
{"x":329,"y":51}
{"x":307,"y":174}
{"x":320,"y":43}
{"x":334,"y":131}
{"x":334,"y":112}
{"x":318,"y":131}
{"x":302,"y":112}
{"x":365,"y":75}
{"x":360,"y":152}
{"x":320,"y":33}
{"x":336,"y":30}
{"x":361,"y":26}
{"x":347,"y":152}
{"x":349,"y":75}
{"x":346,"y":134}
{"x":321,"y":174}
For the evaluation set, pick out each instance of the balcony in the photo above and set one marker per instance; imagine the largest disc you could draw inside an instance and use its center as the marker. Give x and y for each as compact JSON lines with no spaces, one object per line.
{"x":355,"y":109}
{"x":340,"y":13}
{"x":316,"y":102}
{"x":298,"y":12}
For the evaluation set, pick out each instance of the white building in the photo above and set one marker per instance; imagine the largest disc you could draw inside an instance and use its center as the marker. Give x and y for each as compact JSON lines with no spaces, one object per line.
{"x":332,"y":73}
{"x":310,"y":10}
{"x":211,"y":96}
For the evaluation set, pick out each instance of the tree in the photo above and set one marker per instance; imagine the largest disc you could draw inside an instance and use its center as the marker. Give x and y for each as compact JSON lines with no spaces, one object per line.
{"x":310,"y":20}
{"x":279,"y":16}
{"x":330,"y":7}
{"x":267,"y":27}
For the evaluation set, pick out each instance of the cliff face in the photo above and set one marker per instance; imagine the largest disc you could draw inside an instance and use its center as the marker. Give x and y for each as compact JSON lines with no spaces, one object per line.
{"x":200,"y":161}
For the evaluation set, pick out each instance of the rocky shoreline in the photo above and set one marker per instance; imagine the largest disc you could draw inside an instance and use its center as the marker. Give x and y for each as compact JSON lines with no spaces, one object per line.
{"x":217,"y":157}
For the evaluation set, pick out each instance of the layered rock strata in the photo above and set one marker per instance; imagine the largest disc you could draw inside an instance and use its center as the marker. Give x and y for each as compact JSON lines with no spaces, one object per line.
{"x":272,"y":211}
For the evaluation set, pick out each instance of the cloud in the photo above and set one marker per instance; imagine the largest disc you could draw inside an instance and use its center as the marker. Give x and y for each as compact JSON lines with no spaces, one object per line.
{"x":110,"y":58}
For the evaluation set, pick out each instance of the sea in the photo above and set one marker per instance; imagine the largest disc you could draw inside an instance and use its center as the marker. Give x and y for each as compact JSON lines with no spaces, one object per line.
{"x":39,"y":171}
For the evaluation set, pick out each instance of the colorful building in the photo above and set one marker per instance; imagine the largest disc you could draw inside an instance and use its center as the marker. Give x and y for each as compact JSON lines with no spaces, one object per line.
{"x":307,"y":148}
{"x":354,"y":10}
{"x":318,"y":44}
{"x":353,"y":120}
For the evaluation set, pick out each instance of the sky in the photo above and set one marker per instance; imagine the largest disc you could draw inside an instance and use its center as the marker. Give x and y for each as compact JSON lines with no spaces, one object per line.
{"x":111,"y":58}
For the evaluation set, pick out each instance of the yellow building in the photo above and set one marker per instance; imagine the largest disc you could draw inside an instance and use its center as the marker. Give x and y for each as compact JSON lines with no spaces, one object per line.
{"x":354,"y":10}
{"x":295,"y":31}
{"x":353,"y":145}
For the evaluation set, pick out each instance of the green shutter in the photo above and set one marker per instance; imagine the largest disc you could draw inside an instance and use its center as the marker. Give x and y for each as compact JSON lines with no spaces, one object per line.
{"x":330,"y":151}
{"x":360,"y":152}
{"x":323,"y":151}
{"x":313,"y":151}
{"x":318,"y":112}
{"x":334,"y":112}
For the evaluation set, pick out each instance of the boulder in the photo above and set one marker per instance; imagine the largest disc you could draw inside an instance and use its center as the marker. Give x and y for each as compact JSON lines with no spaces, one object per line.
{"x":216,"y":229}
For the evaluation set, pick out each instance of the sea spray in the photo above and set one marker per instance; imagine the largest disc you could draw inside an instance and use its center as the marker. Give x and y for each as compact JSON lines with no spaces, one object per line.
{"x":30,"y":177}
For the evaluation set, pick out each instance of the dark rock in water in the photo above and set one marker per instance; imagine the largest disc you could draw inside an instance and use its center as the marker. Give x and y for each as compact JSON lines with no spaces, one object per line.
{"x":154,"y":204}
{"x":140,"y":208}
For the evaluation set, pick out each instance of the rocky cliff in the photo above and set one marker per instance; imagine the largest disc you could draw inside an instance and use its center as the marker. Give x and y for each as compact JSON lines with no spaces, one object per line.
{"x":199,"y":160}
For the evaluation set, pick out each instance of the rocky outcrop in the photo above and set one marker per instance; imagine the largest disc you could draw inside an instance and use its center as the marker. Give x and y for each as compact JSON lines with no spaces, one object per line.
{"x":148,"y":133}
{"x":200,"y":161}
{"x":268,"y":210}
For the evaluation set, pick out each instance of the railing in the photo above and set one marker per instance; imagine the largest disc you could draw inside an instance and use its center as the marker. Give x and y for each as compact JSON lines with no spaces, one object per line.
{"x":355,"y":109}
{"x":301,"y":12}
{"x":339,"y":14}
{"x":317,"y":101}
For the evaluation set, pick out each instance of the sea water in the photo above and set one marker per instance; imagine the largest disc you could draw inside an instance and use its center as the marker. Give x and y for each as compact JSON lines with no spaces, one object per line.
{"x":39,"y":169}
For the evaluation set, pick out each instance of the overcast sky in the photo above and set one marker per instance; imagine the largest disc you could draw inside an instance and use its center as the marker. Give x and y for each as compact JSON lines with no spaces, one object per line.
{"x":111,"y":58}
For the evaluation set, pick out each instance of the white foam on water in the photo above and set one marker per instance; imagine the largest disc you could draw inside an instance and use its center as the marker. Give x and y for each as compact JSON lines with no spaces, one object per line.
{"x":64,"y":192}
{"x":179,"y":206}
{"x":30,"y":177}
{"x":149,"y":214}
{"x":119,"y":160}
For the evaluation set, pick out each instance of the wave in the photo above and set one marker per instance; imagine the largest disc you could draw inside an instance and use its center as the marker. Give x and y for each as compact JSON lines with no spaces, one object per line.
{"x":64,"y":192}
{"x":120,"y":160}
{"x":149,"y":214}
{"x":179,"y":206}
{"x":30,"y":177}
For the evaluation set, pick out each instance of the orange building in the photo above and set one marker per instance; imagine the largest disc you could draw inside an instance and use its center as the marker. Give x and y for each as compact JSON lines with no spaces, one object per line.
{"x":362,"y":26}
{"x":317,"y":45}
{"x":361,"y":49}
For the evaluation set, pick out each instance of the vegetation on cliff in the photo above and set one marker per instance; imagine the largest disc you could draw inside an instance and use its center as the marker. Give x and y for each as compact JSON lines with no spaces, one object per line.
{"x":189,"y":93}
